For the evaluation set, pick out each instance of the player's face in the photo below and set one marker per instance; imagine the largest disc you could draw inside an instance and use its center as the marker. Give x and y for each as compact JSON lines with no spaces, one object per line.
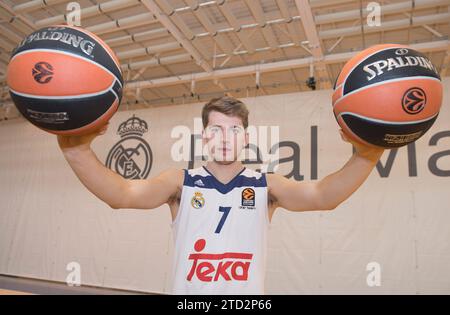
{"x":225,"y":137}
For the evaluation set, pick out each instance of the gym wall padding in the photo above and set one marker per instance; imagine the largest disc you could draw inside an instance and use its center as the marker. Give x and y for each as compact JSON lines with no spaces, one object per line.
{"x":399,"y":218}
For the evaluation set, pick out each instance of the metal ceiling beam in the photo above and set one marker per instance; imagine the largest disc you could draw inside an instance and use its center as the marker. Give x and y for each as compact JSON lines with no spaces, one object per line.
{"x":168,"y":24}
{"x":16,"y":24}
{"x":12,"y":12}
{"x":7,"y":46}
{"x":12,"y":36}
{"x":445,"y":63}
{"x":293,"y":31}
{"x":258,"y":14}
{"x":182,"y":27}
{"x":261,"y":49}
{"x":123,"y":23}
{"x":269,"y":67}
{"x":387,"y":25}
{"x":156,"y":61}
{"x":323,"y":3}
{"x":4,"y":57}
{"x":385,"y":9}
{"x":241,"y":34}
{"x":428,"y":28}
{"x":91,"y":11}
{"x":34,"y":5}
{"x":154,"y":8}
{"x":167,"y":9}
{"x":186,"y":32}
{"x":285,"y":13}
{"x":137,"y":37}
{"x":150,"y":50}
{"x":313,"y":3}
{"x":314,"y":44}
{"x":223,"y":43}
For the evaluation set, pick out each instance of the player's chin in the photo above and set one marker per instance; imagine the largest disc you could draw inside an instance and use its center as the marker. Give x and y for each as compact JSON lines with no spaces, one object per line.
{"x":224,"y":162}
{"x":225,"y":159}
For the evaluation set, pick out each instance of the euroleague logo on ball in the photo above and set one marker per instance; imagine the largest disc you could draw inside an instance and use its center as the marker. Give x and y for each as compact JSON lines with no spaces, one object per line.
{"x":414,"y":100}
{"x":401,"y":51}
{"x":42,"y":72}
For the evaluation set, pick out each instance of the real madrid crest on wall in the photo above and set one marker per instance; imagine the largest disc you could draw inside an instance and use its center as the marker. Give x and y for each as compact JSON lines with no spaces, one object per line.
{"x":131,"y":157}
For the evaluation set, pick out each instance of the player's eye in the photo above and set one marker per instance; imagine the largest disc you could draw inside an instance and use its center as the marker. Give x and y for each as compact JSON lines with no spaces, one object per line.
{"x":213,"y":130}
{"x":237,"y":130}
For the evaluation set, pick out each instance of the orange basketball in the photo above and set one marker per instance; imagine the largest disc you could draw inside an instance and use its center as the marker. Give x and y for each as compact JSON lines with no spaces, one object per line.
{"x":65,"y":80}
{"x":387,"y":95}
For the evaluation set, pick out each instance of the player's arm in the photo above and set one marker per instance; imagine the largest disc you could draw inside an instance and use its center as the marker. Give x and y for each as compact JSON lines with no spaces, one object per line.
{"x":109,"y":186}
{"x":328,"y":193}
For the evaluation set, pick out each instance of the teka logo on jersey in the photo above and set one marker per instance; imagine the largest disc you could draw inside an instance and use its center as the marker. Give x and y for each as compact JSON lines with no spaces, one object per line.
{"x":212,"y":267}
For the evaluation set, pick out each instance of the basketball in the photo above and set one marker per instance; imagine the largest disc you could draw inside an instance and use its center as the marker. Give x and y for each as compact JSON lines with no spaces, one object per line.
{"x":65,"y":80}
{"x":387,"y":95}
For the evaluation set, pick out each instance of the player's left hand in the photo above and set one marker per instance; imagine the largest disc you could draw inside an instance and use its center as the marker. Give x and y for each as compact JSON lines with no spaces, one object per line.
{"x":371,"y":153}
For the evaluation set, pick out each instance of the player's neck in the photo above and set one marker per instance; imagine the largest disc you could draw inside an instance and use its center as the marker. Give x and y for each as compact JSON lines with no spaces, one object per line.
{"x":224,"y":172}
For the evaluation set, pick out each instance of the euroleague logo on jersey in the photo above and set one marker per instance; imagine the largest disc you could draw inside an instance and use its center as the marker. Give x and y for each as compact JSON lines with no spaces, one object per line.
{"x":248,"y":199}
{"x":213,"y":267}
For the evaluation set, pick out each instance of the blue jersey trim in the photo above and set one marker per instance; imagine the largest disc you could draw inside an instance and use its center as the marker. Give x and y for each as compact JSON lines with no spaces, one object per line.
{"x":210,"y":182}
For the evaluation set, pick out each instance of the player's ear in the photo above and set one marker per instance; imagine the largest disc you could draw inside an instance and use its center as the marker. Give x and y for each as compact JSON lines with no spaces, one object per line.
{"x":204,"y":140}
{"x":247,"y":138}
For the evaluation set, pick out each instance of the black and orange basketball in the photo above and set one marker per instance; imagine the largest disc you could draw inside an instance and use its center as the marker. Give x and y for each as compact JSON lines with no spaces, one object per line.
{"x":65,"y":80}
{"x":388,"y":96}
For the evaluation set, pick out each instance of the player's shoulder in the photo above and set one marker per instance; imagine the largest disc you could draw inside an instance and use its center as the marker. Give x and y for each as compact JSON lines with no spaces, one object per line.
{"x":248,"y":172}
{"x":174,"y":175}
{"x":250,"y":177}
{"x":253,"y":178}
{"x":199,"y":171}
{"x":195,"y":177}
{"x":274,"y":179}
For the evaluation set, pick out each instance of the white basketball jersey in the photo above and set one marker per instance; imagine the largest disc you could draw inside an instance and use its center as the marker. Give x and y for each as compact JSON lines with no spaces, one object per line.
{"x":220,"y":234}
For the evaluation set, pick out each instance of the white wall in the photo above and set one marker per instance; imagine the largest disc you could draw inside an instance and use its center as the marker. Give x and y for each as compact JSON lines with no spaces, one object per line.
{"x":48,"y":219}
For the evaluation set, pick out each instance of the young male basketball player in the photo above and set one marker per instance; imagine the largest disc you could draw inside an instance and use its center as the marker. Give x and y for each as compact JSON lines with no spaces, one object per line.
{"x":220,"y":211}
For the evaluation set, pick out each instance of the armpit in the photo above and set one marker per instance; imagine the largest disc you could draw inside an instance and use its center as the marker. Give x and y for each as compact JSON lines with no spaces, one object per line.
{"x":175,"y":199}
{"x":272,"y":201}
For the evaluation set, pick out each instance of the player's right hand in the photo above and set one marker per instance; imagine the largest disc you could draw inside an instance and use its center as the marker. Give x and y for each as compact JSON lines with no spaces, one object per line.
{"x":83,"y":142}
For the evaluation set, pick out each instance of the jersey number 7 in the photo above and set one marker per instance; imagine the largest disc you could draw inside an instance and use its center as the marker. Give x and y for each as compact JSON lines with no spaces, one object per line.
{"x":225,"y":211}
